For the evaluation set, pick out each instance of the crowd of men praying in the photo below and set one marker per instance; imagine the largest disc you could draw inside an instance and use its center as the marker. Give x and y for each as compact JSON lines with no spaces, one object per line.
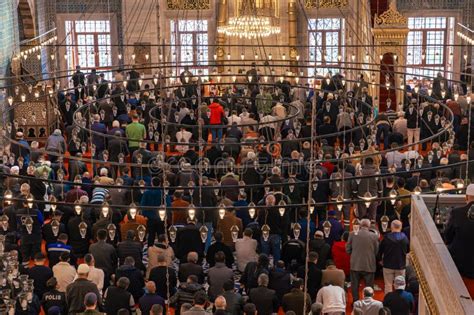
{"x":239,"y":198}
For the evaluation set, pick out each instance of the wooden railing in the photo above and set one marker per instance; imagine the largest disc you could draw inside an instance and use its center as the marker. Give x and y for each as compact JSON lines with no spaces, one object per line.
{"x":442,"y":290}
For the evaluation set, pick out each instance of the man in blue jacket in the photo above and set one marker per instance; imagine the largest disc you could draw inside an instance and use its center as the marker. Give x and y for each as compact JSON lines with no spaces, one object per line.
{"x":153,"y":197}
{"x":393,"y":251}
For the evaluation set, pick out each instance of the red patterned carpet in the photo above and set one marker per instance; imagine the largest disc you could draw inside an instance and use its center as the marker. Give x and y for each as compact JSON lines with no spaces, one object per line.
{"x":470,"y":286}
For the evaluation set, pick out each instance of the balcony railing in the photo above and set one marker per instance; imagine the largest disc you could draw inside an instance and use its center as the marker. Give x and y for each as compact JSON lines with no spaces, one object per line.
{"x":442,"y":290}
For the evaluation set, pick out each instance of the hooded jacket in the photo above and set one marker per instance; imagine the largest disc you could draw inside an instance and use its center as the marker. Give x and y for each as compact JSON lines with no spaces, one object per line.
{"x":393,"y":250}
{"x":136,"y":279}
{"x":216,"y":114}
{"x":280,"y":281}
{"x":185,"y":294}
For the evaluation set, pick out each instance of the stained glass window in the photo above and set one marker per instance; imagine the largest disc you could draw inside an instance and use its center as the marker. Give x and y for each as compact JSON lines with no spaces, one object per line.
{"x":189,"y":40}
{"x":426,"y":53}
{"x":325,"y":41}
{"x":88,"y":45}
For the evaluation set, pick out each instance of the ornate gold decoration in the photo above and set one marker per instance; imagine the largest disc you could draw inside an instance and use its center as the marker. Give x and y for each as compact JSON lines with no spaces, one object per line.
{"x":188,"y":4}
{"x":391,"y":17}
{"x":220,"y":52}
{"x":430,"y":301}
{"x":325,"y":4}
{"x":249,"y":23}
{"x":293,"y":52}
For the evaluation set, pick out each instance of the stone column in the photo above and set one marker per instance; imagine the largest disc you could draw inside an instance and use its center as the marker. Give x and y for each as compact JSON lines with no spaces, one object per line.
{"x":293,"y":33}
{"x":221,"y":38}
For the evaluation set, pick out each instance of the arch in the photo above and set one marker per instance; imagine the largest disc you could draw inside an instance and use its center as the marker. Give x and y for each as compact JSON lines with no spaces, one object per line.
{"x":26,"y":23}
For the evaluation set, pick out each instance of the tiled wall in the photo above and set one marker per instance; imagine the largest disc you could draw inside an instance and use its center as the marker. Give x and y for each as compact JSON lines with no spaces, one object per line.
{"x":45,"y":22}
{"x":8,"y":44}
{"x":8,"y":35}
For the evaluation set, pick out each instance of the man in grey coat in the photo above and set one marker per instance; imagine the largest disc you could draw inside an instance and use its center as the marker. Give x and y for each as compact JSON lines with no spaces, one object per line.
{"x":104,"y":254}
{"x":363,"y":247}
{"x":218,"y":275}
{"x":372,"y":185}
{"x":344,"y":187}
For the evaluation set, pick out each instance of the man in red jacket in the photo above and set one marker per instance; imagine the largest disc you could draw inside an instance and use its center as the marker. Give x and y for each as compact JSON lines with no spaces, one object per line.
{"x":217,"y":113}
{"x":340,"y":257}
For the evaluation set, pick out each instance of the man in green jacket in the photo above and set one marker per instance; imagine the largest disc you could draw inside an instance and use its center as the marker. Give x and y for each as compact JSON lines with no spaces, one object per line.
{"x":135,"y":133}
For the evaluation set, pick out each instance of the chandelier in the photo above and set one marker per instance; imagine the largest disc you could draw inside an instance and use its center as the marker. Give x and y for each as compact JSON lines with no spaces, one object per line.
{"x":248,"y":24}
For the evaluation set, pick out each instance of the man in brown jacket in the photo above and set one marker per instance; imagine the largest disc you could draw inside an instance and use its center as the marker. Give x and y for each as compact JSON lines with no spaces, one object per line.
{"x":179,"y":206}
{"x":294,"y":300}
{"x":333,"y":275}
{"x":225,"y":225}
{"x":132,"y":223}
{"x":160,"y":247}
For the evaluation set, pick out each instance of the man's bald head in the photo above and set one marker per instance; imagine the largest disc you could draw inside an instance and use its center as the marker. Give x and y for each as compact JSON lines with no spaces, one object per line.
{"x":150,"y":286}
{"x":193,"y":257}
{"x":396,"y":226}
{"x":220,"y":303}
{"x":270,"y":200}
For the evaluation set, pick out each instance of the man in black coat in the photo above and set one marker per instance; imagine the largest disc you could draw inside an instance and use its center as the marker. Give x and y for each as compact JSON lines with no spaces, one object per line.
{"x":163,"y":275}
{"x":191,"y":268}
{"x":37,"y":188}
{"x":188,"y":239}
{"x":103,"y":86}
{"x":119,"y":100}
{"x":328,"y":128}
{"x":50,"y":234}
{"x":413,"y":123}
{"x":29,"y":222}
{"x":76,"y":291}
{"x":132,"y":273}
{"x":292,"y":252}
{"x":131,"y":248}
{"x":280,"y":280}
{"x":265,"y":299}
{"x":459,"y":234}
{"x":219,"y":246}
{"x":78,"y":80}
{"x":117,"y":297}
{"x":80,"y":244}
{"x":321,"y":247}
{"x":68,"y":108}
{"x":133,"y":77}
{"x":40,"y":274}
{"x":205,"y":197}
{"x":315,"y":274}
{"x":146,"y":156}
